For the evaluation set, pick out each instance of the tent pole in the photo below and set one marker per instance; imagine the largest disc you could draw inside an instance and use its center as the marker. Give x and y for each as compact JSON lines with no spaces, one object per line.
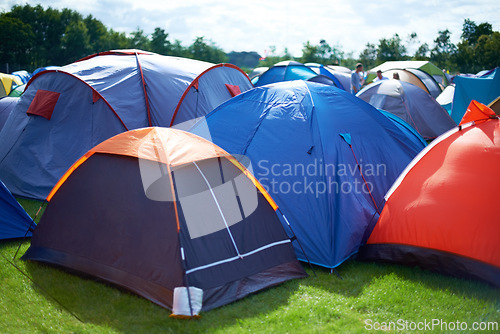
{"x":29,"y":229}
{"x":298,"y":242}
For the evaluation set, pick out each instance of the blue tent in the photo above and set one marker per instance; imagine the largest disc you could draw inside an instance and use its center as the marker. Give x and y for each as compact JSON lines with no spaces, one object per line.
{"x":325,"y":156}
{"x":14,"y":221}
{"x":407,"y":101}
{"x":7,"y":104}
{"x":285,"y":71}
{"x":320,"y":69}
{"x":484,"y":89}
{"x":66,"y":111}
{"x":23,"y":75}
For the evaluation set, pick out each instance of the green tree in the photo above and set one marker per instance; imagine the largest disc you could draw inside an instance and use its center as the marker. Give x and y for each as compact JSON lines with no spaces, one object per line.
{"x":75,"y":41}
{"x":422,"y":53}
{"x":310,"y":54}
{"x":17,"y":39}
{"x":138,"y":40}
{"x":368,"y":57}
{"x":99,"y":40}
{"x":159,"y":42}
{"x":207,"y":52}
{"x":443,"y":52}
{"x":391,"y":49}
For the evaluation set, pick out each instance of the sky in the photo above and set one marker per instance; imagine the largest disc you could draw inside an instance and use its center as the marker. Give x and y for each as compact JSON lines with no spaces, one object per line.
{"x":261,"y":26}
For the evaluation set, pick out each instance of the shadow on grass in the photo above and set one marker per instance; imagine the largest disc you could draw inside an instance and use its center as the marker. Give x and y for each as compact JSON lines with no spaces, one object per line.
{"x":102,"y":304}
{"x":355,"y":276}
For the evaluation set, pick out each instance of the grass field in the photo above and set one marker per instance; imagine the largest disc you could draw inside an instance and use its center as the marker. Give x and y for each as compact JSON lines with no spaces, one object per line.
{"x":367,"y":297}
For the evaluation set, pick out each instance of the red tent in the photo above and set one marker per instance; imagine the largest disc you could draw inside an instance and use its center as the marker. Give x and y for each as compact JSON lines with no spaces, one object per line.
{"x":441,"y":214}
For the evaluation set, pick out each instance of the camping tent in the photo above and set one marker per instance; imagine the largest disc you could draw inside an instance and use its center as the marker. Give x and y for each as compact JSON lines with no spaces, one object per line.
{"x":7,"y":104}
{"x":410,"y":103}
{"x":418,"y":78}
{"x":65,"y":112}
{"x":156,"y":209}
{"x":483,"y":89}
{"x":286,"y":71}
{"x":23,"y":75}
{"x":14,"y":221}
{"x":17,"y":90}
{"x":441,"y":77}
{"x":8,"y":82}
{"x":325,"y":156}
{"x":337,"y":77}
{"x":445,"y":99}
{"x":437,"y":214}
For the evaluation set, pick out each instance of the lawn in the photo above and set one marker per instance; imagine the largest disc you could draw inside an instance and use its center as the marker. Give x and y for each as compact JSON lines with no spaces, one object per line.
{"x":38,"y":298}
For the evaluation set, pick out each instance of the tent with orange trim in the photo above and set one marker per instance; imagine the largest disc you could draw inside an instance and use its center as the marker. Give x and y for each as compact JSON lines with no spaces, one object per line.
{"x":440,"y":213}
{"x":156,"y":210}
{"x":66,"y":111}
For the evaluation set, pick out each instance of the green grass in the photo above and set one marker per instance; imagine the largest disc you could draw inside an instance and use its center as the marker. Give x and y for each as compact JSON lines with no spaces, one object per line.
{"x":321,"y":303}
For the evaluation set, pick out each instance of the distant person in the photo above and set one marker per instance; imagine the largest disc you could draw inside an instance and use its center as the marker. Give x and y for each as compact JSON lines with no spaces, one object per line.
{"x":380,"y":77}
{"x":395,"y":76}
{"x":357,"y":79}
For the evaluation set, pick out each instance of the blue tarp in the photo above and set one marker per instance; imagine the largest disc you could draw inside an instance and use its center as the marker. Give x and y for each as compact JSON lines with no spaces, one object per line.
{"x":307,"y":143}
{"x":483,"y":89}
{"x":14,"y":221}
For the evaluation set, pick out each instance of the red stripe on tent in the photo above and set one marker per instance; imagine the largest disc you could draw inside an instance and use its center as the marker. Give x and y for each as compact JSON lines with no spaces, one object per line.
{"x":124,"y":52}
{"x":195,"y":82}
{"x":144,"y":88}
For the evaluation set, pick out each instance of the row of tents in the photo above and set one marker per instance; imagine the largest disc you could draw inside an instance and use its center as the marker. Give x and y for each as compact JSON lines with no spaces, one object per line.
{"x":261,"y":177}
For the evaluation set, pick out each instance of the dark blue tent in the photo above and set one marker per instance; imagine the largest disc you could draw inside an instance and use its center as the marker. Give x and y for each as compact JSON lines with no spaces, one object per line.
{"x":286,"y":71}
{"x":14,"y":221}
{"x":325,"y":156}
{"x":322,"y":70}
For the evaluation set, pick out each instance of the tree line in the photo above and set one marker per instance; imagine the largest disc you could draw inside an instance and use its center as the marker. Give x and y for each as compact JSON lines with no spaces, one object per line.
{"x":33,"y":37}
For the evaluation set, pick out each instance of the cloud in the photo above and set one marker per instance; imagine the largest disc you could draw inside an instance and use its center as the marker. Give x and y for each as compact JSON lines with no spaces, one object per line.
{"x":259,"y":24}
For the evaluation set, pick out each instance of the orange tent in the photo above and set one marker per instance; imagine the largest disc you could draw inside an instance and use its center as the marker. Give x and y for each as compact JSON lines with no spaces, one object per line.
{"x":440,"y":213}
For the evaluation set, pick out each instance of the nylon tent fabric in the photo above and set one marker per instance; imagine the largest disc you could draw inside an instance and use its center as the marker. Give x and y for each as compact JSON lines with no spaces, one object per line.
{"x":441,"y":77}
{"x":445,"y":99}
{"x":23,"y":75}
{"x":305,"y":141}
{"x":14,"y":220}
{"x":436,"y":216}
{"x":483,"y":89}
{"x":7,"y":104}
{"x":156,"y":209}
{"x":8,"y":82}
{"x":418,"y":78}
{"x":285,"y":71}
{"x":100,"y":96}
{"x":410,"y":103}
{"x":322,"y":70}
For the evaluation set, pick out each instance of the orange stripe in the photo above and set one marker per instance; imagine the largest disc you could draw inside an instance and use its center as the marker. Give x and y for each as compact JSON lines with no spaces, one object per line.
{"x":67,"y":174}
{"x":255,"y":182}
